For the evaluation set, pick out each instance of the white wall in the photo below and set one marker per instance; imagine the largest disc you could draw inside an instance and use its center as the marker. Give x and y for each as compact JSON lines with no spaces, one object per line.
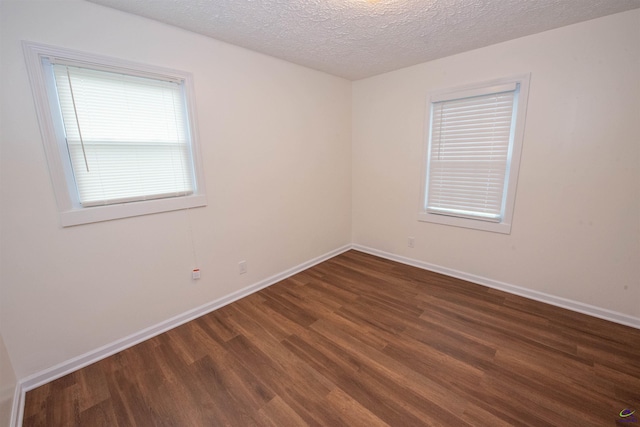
{"x":576,"y":227}
{"x":276,"y":147}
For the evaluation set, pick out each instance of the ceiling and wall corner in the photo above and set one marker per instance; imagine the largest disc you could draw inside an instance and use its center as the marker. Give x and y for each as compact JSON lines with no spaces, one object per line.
{"x":355,"y":39}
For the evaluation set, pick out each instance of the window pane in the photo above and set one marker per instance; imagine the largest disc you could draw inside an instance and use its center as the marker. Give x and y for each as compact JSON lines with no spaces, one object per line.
{"x":469,"y":155}
{"x":127,"y":135}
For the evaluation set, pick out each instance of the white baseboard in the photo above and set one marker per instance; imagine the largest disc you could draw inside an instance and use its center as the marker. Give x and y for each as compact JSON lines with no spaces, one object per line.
{"x":64,"y":368}
{"x":71,"y":365}
{"x":579,"y":307}
{"x":17,"y":407}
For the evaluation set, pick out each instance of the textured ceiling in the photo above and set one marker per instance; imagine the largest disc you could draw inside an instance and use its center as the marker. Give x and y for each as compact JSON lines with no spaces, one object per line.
{"x":361,"y":38}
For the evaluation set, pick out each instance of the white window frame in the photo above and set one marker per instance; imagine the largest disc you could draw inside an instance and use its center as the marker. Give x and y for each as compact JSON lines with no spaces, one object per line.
{"x":70,"y":211}
{"x":504,"y":225}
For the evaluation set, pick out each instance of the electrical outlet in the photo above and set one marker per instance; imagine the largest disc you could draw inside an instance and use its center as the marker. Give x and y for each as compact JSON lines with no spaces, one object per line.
{"x":242,"y":267}
{"x":411,"y":242}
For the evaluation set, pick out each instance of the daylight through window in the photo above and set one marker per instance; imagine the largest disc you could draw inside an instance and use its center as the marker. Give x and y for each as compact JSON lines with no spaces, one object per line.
{"x":126,"y":135}
{"x":474,"y":141}
{"x":120,"y":137}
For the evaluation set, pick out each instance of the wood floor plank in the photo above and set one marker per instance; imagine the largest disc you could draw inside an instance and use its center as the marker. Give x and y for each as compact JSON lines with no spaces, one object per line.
{"x":361,"y":341}
{"x":277,"y":413}
{"x":351,"y":411}
{"x":420,"y":396}
{"x":99,"y":415}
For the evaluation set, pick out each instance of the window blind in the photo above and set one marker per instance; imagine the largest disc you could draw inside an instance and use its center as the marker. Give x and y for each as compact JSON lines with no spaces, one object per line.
{"x":469,"y":154}
{"x":127,"y":135}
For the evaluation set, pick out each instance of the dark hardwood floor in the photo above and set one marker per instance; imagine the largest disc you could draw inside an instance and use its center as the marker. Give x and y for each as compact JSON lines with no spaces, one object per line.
{"x":362,"y":341}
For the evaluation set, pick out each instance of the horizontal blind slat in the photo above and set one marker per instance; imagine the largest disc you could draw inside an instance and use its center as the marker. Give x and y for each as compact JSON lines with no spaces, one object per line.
{"x":469,"y":149}
{"x":134,"y":133}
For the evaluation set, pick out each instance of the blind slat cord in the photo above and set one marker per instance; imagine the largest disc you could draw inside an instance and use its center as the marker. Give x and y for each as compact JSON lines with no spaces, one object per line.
{"x":75,"y":111}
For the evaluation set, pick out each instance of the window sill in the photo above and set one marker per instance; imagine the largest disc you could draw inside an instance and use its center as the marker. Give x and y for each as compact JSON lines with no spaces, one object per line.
{"x":495,"y":227}
{"x":80,"y":216}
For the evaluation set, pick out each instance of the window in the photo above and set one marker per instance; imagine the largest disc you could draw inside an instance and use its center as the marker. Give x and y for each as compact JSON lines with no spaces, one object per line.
{"x":474,"y":140}
{"x":119,"y":137}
